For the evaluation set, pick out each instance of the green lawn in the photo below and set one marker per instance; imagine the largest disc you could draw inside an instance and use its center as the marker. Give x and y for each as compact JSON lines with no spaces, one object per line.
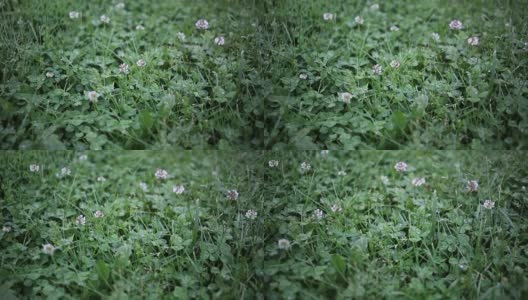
{"x":356,"y":228}
{"x":278,"y":81}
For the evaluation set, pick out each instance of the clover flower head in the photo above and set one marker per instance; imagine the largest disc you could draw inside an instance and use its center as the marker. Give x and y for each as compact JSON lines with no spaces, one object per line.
{"x":141,"y":63}
{"x":328,"y":16}
{"x":105,"y":19}
{"x":377,"y":69}
{"x":273,"y":163}
{"x":345,"y":97}
{"x":92,"y":96}
{"x":418,"y":181}
{"x":472,"y":185}
{"x":473,"y":41}
{"x":336,"y":208}
{"x":305,"y":167}
{"x":318,"y":214}
{"x":401,"y":166}
{"x":284,"y":244}
{"x":81,"y":220}
{"x":488,"y":204}
{"x":34,"y":168}
{"x":456,"y":25}
{"x":251,"y":214}
{"x":48,"y":249}
{"x":161,"y":174}
{"x":124,"y":68}
{"x":74,"y":14}
{"x":359,"y":20}
{"x":202,"y":24}
{"x":232,"y":195}
{"x":178,"y":189}
{"x":219,"y":40}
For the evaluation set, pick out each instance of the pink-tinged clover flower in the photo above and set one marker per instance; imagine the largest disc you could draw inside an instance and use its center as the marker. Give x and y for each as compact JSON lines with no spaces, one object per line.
{"x":161,"y":174}
{"x":141,"y":63}
{"x":202,"y":24}
{"x":124,"y":68}
{"x":401,"y":166}
{"x":472,"y":185}
{"x":473,"y":41}
{"x":99,"y":214}
{"x":178,"y":189}
{"x":456,"y":25}
{"x":345,"y":97}
{"x":418,"y":181}
{"x":232,"y":195}
{"x":395,"y":64}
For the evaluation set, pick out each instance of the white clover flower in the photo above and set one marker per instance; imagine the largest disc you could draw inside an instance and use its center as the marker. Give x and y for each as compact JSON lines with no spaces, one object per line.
{"x":305,"y":167}
{"x":395,"y":64}
{"x":345,"y":97}
{"x":161,"y":174}
{"x":101,"y":179}
{"x":336,"y":208}
{"x":34,"y":168}
{"x":98,"y":214}
{"x":178,"y":189}
{"x":83,"y":157}
{"x":232,"y":195}
{"x":6,"y":229}
{"x":328,"y":16}
{"x":318,"y":214}
{"x":251,"y":214}
{"x":81,"y":220}
{"x":120,"y":5}
{"x":401,"y":166}
{"x":472,"y":185}
{"x":140,"y":27}
{"x":202,"y":24}
{"x":303,"y":76}
{"x":219,"y":40}
{"x":181,"y":36}
{"x":394,"y":28}
{"x":48,"y":249}
{"x":92,"y":96}
{"x":141,"y":63}
{"x":124,"y":68}
{"x":64,"y":172}
{"x":341,"y":173}
{"x":377,"y":69}
{"x":384,"y":179}
{"x":435,"y":36}
{"x":74,"y":14}
{"x":488,"y":204}
{"x":50,"y":74}
{"x":273,"y":163}
{"x":473,"y":41}
{"x":418,"y":181}
{"x":143,"y":186}
{"x":359,"y":20}
{"x":105,"y":19}
{"x":374,"y":6}
{"x":284,"y":244}
{"x":325,"y":152}
{"x":456,"y":25}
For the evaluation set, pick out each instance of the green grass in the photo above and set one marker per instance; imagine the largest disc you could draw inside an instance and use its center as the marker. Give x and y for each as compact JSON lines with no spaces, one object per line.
{"x":391,"y":240}
{"x":247,"y":94}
